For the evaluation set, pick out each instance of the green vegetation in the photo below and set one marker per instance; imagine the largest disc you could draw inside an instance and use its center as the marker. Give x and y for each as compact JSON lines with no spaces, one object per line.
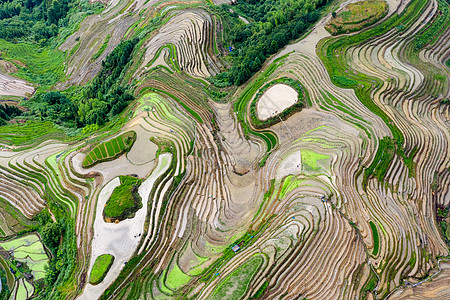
{"x":272,"y":25}
{"x":376,"y":239}
{"x":296,"y":85}
{"x":356,"y":16}
{"x":186,"y":107}
{"x":361,"y":83}
{"x":5,"y":276}
{"x":383,"y":158}
{"x":289,"y":183}
{"x":105,"y":97}
{"x":124,"y":201}
{"x":32,"y":19}
{"x":8,"y":112}
{"x":240,"y":107}
{"x":54,"y":106}
{"x":100,"y":268}
{"x":443,"y":219}
{"x":235,"y":285}
{"x":39,"y":64}
{"x":29,"y":132}
{"x":412,"y":261}
{"x":63,"y":261}
{"x":96,"y":103}
{"x":430,"y":33}
{"x":39,"y":20}
{"x":29,"y":252}
{"x":245,"y":240}
{"x":74,"y":49}
{"x":31,"y":30}
{"x":176,"y":278}
{"x":110,"y":150}
{"x":102,"y":48}
{"x":371,"y":283}
{"x":260,"y":291}
{"x":127,"y":269}
{"x":311,"y":158}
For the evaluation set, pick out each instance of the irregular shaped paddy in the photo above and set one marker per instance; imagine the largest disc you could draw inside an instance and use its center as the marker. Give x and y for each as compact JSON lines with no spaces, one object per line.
{"x":275,"y":100}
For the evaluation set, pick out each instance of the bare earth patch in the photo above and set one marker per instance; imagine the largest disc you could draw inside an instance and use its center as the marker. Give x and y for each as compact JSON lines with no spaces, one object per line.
{"x":275,"y":100}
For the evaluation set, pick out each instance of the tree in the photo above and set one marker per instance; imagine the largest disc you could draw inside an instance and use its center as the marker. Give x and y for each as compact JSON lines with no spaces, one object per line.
{"x":50,"y":234}
{"x":333,"y":14}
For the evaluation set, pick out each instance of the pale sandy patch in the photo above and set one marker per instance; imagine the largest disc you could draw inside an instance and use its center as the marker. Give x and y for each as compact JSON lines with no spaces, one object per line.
{"x":290,"y":165}
{"x":276,"y":99}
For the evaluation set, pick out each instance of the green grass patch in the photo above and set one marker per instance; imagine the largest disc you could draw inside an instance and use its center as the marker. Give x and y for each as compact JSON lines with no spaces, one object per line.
{"x":260,"y":291}
{"x":289,"y":184}
{"x":124,"y":201}
{"x":356,"y":16}
{"x":121,"y":143}
{"x":100,"y":268}
{"x":97,"y":152}
{"x":376,"y":238}
{"x":36,"y":64}
{"x":103,"y":150}
{"x":235,"y":285}
{"x":117,"y":146}
{"x":311,"y":158}
{"x":412,"y":260}
{"x":176,"y":278}
{"x":31,"y":132}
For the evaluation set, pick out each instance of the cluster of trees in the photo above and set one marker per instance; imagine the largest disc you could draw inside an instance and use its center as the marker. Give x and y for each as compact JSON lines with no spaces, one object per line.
{"x":55,"y":106}
{"x":272,"y":24}
{"x":105,"y":97}
{"x":38,"y":19}
{"x":98,"y":101}
{"x":59,"y":238}
{"x":8,"y":112}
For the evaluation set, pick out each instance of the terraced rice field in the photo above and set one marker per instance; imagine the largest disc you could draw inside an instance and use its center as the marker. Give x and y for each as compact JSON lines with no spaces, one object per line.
{"x":30,"y":251}
{"x":345,"y":196}
{"x":110,"y":149}
{"x":276,"y":99}
{"x":356,"y":16}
